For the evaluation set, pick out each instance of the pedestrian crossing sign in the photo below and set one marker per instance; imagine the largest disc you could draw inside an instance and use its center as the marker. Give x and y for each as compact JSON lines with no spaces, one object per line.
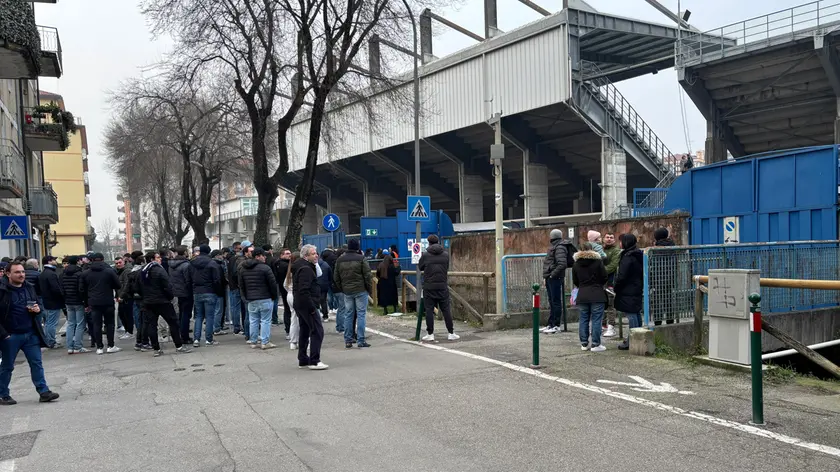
{"x":14,"y":227}
{"x":419,"y":208}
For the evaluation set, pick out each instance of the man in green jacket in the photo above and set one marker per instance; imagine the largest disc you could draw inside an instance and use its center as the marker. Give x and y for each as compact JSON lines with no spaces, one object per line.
{"x":611,"y":262}
{"x":353,"y":278}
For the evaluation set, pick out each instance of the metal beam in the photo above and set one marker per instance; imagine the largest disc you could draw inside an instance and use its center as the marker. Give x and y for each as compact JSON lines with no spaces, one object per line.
{"x":368,"y":173}
{"x":434,"y":180}
{"x":542,"y":11}
{"x":339,"y":189}
{"x":290,"y":181}
{"x":455,"y":26}
{"x":524,"y":136}
{"x":828,"y":58}
{"x":673,"y":16}
{"x":696,"y":90}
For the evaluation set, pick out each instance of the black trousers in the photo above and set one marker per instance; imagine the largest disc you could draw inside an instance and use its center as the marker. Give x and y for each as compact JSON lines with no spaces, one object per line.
{"x":185,"y":312}
{"x":325,"y":309}
{"x":287,"y":310}
{"x":103,"y":314}
{"x":440,"y":299}
{"x":167,"y":312}
{"x":311,"y":335}
{"x":126,"y":314}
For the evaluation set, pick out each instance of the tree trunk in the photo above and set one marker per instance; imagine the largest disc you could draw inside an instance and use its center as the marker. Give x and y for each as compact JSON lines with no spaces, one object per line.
{"x":266,"y":195}
{"x":198,"y":223}
{"x":304,"y":189}
{"x":266,"y":188}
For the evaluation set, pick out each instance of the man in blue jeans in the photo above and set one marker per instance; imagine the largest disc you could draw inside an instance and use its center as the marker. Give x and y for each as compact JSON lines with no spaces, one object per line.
{"x":557,"y":260}
{"x":75,"y":308}
{"x":206,"y":286}
{"x":259,"y":287}
{"x":354,"y":280}
{"x":20,"y":332}
{"x":52,"y":298}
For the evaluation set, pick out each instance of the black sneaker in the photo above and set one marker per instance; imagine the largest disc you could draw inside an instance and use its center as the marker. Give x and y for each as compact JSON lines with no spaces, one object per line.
{"x":348,"y":345}
{"x":7,"y":401}
{"x":363,"y":344}
{"x":138,"y":347}
{"x":624,"y":347}
{"x":48,"y":396}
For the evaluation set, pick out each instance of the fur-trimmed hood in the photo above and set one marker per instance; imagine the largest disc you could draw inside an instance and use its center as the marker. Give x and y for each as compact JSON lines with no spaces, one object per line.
{"x":587,"y":255}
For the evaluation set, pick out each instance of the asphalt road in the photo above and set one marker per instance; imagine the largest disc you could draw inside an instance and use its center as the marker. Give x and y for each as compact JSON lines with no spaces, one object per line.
{"x":392,"y":407}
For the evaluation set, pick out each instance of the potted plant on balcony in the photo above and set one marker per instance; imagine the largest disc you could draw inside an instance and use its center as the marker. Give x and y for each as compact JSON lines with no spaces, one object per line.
{"x":63,"y":123}
{"x":18,"y":29}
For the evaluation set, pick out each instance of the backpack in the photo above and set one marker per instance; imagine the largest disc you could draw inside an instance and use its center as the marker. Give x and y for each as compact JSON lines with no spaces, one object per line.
{"x":570,"y":254}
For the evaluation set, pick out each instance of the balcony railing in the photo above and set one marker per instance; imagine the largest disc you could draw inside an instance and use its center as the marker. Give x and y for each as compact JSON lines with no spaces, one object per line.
{"x":51,"y":65}
{"x":43,"y":205}
{"x":12,"y":173}
{"x":232,"y":215}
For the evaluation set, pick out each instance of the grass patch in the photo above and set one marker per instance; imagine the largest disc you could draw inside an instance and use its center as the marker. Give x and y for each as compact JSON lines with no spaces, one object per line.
{"x":780,"y":375}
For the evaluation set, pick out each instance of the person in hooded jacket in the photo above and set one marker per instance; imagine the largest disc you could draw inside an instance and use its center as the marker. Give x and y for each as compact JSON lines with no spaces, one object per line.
{"x":306,"y":293}
{"x":99,"y":286}
{"x":155,"y":290}
{"x":220,"y":314}
{"x":125,"y":318}
{"x":589,"y":276}
{"x":259,"y":287}
{"x":32,"y":274}
{"x":75,"y":307}
{"x":556,"y":261}
{"x":207,"y":286}
{"x":234,"y":297}
{"x":435,"y":266}
{"x":130,"y":289}
{"x":180,"y":276}
{"x":50,"y":289}
{"x":660,"y":298}
{"x":629,"y":285}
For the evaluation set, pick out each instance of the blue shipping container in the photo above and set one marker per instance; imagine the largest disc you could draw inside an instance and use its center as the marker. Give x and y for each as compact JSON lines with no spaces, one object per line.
{"x":781,"y":196}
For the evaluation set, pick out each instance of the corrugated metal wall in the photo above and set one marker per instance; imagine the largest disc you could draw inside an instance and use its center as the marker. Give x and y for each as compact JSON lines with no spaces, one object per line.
{"x":521,"y":76}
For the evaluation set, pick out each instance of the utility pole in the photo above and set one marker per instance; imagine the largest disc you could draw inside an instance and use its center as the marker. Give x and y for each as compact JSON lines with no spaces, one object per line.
{"x":497,"y":154}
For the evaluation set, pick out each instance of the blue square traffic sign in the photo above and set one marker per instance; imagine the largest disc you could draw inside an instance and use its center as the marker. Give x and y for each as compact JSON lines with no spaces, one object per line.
{"x":14,"y":227}
{"x":419,"y":208}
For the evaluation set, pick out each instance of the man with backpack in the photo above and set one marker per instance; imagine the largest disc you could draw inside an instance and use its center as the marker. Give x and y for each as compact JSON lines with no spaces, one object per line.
{"x":560,"y":257}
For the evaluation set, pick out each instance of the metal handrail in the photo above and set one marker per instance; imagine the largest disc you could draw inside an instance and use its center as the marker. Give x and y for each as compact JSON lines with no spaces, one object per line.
{"x":734,"y":38}
{"x":43,"y":200}
{"x":50,"y":41}
{"x":11,"y":163}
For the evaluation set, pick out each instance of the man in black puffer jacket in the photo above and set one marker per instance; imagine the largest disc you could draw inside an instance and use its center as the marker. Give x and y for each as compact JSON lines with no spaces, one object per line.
{"x":99,"y":286}
{"x":154,"y":289}
{"x":50,"y":289}
{"x":306,"y":295}
{"x":130,"y":289}
{"x":280,"y":268}
{"x":629,"y":284}
{"x":75,"y":307}
{"x":207,"y":288}
{"x":180,"y":276}
{"x":259,"y":286}
{"x":435,"y":266}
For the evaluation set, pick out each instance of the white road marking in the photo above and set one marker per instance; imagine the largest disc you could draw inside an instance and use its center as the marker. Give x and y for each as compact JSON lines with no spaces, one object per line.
{"x":7,"y":466}
{"x":744,"y":428}
{"x":643,"y":385}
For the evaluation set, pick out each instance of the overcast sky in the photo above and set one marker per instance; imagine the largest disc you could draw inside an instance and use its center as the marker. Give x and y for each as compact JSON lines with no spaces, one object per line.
{"x":107,"y":41}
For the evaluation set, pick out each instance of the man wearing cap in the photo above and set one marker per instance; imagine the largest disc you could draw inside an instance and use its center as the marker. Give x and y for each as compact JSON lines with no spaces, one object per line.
{"x":435,"y":266}
{"x":247,"y":253}
{"x":180,"y":278}
{"x":53,"y":299}
{"x":259,"y":287}
{"x":75,"y":309}
{"x":99,"y":287}
{"x":206,"y":286}
{"x":353,"y":278}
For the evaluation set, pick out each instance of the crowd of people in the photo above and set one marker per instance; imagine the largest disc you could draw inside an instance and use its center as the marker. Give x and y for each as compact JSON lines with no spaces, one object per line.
{"x":193,"y":296}
{"x":600,"y":273}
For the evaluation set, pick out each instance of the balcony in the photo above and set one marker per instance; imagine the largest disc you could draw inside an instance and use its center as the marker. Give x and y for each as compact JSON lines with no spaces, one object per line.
{"x":12,"y":174}
{"x":87,"y":210}
{"x":50,"y":52}
{"x":20,"y":44}
{"x":85,"y":165}
{"x":47,"y":128}
{"x":120,"y":208}
{"x":121,"y":220}
{"x":43,"y":205}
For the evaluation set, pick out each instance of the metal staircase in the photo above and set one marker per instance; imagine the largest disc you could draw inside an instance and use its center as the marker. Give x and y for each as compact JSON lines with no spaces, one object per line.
{"x":623,"y":123}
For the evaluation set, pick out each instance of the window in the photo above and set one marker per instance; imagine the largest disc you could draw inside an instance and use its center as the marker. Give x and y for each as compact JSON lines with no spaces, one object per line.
{"x":249,"y":206}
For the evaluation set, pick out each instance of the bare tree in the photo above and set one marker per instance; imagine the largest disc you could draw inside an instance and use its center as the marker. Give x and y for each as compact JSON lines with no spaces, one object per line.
{"x":300,"y":51}
{"x":107,"y":230}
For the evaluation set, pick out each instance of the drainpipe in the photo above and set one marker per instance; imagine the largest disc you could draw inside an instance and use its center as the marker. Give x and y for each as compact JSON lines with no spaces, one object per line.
{"x":26,"y":155}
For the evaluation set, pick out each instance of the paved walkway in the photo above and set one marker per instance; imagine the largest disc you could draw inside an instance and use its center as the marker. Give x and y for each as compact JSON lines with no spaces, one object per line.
{"x":395,"y":407}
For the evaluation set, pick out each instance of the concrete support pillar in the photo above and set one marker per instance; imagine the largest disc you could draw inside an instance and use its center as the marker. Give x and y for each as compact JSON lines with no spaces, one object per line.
{"x":491,"y":23}
{"x":472,"y":201}
{"x":613,"y":178}
{"x":375,"y":204}
{"x":312,"y":220}
{"x":536,"y":192}
{"x":426,"y":53}
{"x":715,"y":147}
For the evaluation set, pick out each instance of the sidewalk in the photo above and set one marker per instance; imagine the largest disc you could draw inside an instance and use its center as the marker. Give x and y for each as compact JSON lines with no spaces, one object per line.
{"x":803,"y":408}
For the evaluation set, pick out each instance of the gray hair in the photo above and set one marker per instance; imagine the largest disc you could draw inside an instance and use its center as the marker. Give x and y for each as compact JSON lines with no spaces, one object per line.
{"x":307,"y":249}
{"x":31,"y":264}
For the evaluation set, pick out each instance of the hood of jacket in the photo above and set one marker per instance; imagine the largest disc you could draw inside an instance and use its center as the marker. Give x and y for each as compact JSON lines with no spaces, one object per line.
{"x":201,"y":262}
{"x":144,"y":275}
{"x":72,"y":270}
{"x":98,"y":266}
{"x":665,"y":242}
{"x":435,"y":249}
{"x":250,"y":263}
{"x":557,"y":242}
{"x":178,"y":261}
{"x":635,"y":253}
{"x":587,"y":257}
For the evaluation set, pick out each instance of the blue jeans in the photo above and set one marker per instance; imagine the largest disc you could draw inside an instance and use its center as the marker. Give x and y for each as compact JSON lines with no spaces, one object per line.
{"x":557,"y":301}
{"x":259,"y":315}
{"x":234,"y":300}
{"x":219,"y":314}
{"x":50,"y":325}
{"x":75,"y":326}
{"x":339,"y":312}
{"x":205,"y":307}
{"x":333,"y":300}
{"x":31,"y":347}
{"x":355,"y":302}
{"x":593,"y":312}
{"x":635,"y":321}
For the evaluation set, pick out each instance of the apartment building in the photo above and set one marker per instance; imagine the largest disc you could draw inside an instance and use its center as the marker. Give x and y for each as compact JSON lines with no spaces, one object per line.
{"x":27,"y":129}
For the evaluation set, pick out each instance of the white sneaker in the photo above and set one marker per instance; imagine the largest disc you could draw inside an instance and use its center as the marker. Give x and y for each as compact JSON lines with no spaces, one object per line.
{"x":454,"y":337}
{"x":246,"y":342}
{"x":288,"y":337}
{"x":333,"y":312}
{"x":584,"y":348}
{"x":551,"y":330}
{"x":600,"y":348}
{"x":196,"y":343}
{"x":428,"y":338}
{"x":610,"y":332}
{"x":544,"y":329}
{"x":293,"y":346}
{"x":126,"y":336}
{"x":121,"y":329}
{"x":100,"y":351}
{"x":319,"y":366}
{"x":113,"y":349}
{"x":211,"y":343}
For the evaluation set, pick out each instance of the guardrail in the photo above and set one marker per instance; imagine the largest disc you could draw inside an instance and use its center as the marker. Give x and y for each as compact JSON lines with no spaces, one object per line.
{"x":777,"y":27}
{"x":12,"y":170}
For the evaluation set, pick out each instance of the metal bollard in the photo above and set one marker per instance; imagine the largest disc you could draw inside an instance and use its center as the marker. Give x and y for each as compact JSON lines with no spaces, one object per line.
{"x":535,"y":343}
{"x":755,"y":360}
{"x":419,"y":318}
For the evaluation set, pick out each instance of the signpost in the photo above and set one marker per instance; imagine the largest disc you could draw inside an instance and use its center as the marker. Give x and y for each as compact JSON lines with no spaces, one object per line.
{"x":419,"y":208}
{"x":14,"y":227}
{"x":415,"y":253}
{"x":331,"y":222}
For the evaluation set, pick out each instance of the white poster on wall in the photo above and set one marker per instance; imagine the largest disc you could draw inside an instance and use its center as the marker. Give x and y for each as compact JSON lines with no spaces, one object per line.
{"x":731,"y":230}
